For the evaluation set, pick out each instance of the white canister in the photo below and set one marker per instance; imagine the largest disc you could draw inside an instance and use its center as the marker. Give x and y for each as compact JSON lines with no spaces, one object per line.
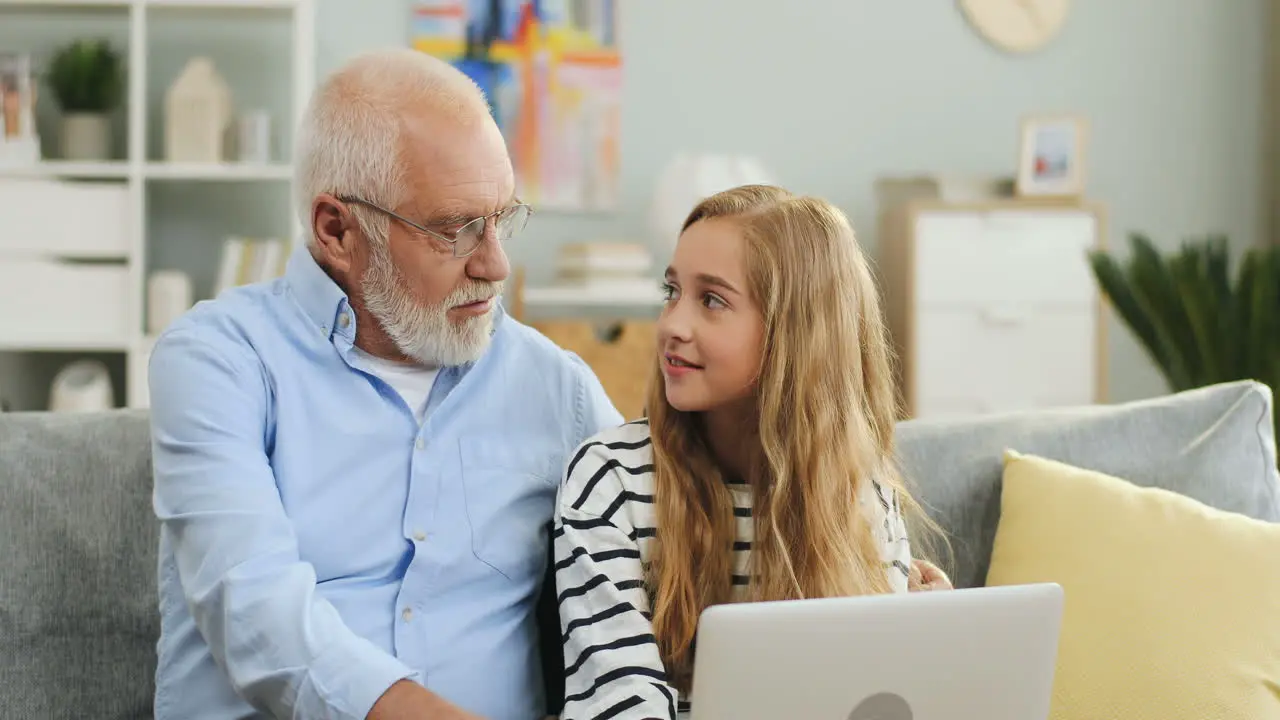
{"x":253,"y":137}
{"x":82,"y":386}
{"x":168,"y":297}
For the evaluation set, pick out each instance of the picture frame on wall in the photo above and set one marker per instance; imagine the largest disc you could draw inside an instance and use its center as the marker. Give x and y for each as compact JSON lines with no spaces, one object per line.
{"x":1051,"y":156}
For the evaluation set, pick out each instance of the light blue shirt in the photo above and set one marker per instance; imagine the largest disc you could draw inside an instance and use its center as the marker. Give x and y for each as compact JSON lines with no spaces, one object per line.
{"x":317,"y":544}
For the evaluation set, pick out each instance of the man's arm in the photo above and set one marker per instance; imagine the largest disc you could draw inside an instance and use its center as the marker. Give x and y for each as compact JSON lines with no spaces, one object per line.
{"x":407,"y":700}
{"x":283,"y":647}
{"x":594,"y":410}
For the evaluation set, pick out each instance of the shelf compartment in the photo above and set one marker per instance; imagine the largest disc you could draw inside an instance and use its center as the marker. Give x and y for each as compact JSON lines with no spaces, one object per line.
{"x":63,"y":218}
{"x":624,"y":295}
{"x":224,"y":4}
{"x":158,"y":4}
{"x":65,"y":300}
{"x":214,"y":172}
{"x":110,"y":170}
{"x":61,"y":342}
{"x":63,"y":4}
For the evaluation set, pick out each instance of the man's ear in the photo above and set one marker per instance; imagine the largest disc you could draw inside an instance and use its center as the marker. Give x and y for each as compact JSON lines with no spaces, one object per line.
{"x":336,"y":232}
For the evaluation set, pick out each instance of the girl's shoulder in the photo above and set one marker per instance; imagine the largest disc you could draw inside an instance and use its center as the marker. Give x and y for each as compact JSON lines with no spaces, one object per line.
{"x":628,"y":436}
{"x":612,"y":464}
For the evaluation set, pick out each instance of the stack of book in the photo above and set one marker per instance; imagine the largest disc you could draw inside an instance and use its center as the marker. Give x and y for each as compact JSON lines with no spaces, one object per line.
{"x":250,"y":260}
{"x":622,"y":268}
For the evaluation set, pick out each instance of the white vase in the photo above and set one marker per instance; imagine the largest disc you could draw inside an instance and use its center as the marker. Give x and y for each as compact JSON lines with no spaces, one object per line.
{"x":687,"y":179}
{"x":82,"y":386}
{"x":168,"y":297}
{"x":86,"y":136}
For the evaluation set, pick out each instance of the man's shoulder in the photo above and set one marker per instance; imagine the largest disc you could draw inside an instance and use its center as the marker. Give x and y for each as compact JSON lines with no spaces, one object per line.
{"x":227,"y":324}
{"x":534,"y":354}
{"x":614,"y":461}
{"x":533,"y":345}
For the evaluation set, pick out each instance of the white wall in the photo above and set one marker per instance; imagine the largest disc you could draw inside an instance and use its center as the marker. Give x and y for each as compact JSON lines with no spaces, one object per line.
{"x":834,"y":93}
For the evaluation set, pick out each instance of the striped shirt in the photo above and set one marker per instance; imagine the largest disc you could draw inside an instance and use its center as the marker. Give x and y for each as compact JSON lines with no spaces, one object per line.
{"x":605,"y":524}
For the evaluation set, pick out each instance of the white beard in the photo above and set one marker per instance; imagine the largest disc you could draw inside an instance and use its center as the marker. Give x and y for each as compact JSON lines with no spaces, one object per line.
{"x":425,"y":332}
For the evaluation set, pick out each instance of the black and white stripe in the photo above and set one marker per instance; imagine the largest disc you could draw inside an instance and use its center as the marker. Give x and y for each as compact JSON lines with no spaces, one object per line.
{"x":604,"y":532}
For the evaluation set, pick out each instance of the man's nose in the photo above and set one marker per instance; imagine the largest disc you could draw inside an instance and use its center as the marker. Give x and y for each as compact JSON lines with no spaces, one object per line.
{"x":489,"y":261}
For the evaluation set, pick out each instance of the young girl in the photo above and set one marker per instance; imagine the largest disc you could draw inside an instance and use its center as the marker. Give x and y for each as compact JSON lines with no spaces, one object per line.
{"x":764,"y":469}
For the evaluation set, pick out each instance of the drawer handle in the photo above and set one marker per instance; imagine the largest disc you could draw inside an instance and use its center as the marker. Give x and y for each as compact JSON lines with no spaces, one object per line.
{"x":1003,"y":316}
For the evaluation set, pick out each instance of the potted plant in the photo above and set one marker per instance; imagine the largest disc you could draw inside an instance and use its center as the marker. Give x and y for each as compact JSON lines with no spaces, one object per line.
{"x":87,"y":80}
{"x":1198,"y":323}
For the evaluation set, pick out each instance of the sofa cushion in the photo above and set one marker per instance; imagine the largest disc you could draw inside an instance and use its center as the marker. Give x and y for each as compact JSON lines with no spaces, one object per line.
{"x":1214,"y":444}
{"x":78,"y":546}
{"x":78,"y":622}
{"x":1170,"y":605}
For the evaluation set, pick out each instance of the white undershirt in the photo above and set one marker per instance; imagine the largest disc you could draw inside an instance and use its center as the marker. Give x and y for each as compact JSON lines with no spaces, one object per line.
{"x":413,"y":382}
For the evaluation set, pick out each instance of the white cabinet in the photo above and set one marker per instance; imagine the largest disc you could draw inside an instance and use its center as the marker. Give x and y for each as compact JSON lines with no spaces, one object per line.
{"x":77,"y":239}
{"x":992,"y":306}
{"x":68,"y":219}
{"x":59,"y":305}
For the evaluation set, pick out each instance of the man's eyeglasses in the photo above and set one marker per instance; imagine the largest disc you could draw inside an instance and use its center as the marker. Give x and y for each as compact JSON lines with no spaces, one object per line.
{"x":465,"y":240}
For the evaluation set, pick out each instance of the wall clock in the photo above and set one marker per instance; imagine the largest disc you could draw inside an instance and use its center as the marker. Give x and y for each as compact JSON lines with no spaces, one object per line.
{"x":1016,"y":26}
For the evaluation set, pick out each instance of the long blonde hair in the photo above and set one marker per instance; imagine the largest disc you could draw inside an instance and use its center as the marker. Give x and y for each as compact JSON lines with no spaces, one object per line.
{"x":826,"y":408}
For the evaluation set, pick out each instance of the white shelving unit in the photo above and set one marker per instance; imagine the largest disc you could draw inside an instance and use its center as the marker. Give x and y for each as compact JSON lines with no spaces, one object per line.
{"x":568,"y":295}
{"x":139,"y":172}
{"x":120,"y":170}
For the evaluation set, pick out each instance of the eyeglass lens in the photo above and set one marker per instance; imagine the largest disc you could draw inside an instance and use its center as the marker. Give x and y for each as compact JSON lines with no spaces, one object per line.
{"x":507,"y":223}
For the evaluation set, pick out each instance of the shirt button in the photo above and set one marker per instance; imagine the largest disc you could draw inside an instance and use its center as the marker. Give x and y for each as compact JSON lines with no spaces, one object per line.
{"x":421,"y":443}
{"x":419,"y":535}
{"x":407,"y":614}
{"x":344,"y":320}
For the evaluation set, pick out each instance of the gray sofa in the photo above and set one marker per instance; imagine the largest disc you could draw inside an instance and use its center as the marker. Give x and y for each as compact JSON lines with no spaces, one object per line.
{"x":77,"y":538}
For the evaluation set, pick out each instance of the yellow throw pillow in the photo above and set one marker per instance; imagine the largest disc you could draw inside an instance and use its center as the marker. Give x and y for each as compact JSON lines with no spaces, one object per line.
{"x":1172,"y":607}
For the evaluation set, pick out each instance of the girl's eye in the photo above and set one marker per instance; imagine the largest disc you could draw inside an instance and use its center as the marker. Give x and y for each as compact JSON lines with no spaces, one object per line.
{"x":668,"y":291}
{"x":713,"y":301}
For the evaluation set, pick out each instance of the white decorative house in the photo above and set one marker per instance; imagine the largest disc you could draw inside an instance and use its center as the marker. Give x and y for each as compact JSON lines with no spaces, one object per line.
{"x":198,"y":114}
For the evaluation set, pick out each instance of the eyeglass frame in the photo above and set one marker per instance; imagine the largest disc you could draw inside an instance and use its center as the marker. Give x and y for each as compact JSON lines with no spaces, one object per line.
{"x":451,"y":242}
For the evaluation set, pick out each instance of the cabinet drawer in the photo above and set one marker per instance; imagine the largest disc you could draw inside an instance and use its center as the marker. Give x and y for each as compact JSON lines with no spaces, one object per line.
{"x":1031,"y":256}
{"x":64,"y":219}
{"x":970,"y":361}
{"x":64,"y":303}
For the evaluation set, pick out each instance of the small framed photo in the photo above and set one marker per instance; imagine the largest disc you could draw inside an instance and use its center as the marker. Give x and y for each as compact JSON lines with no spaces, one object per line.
{"x":1051,"y":156}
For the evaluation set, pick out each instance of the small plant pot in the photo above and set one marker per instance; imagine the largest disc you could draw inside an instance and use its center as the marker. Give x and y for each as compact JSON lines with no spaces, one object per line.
{"x":86,"y":136}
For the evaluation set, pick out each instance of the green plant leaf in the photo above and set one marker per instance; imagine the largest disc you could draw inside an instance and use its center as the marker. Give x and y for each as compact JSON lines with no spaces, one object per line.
{"x":86,"y":76}
{"x":1115,"y":285}
{"x":1153,"y":288}
{"x":1190,"y":272}
{"x":1242,"y":314}
{"x":1196,"y":322}
{"x":1263,"y":312}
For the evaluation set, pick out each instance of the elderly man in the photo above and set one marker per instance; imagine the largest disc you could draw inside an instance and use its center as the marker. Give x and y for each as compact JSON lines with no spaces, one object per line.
{"x":355,"y":465}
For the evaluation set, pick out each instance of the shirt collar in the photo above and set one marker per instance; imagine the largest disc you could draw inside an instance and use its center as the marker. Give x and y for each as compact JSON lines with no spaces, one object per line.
{"x":318,"y":295}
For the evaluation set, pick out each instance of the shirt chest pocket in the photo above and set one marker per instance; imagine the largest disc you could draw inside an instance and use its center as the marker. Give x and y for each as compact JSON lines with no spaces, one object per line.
{"x":510,"y":490}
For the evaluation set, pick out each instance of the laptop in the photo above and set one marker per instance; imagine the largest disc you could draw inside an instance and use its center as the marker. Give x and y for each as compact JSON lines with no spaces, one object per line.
{"x":982,"y":653}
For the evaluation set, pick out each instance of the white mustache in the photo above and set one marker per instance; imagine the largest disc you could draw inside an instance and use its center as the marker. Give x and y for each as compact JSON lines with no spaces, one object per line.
{"x":478,"y":292}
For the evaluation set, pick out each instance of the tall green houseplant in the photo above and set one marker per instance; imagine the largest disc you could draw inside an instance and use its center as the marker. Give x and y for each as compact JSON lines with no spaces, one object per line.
{"x":1197,"y":321}
{"x":86,"y":76}
{"x":87,"y":79}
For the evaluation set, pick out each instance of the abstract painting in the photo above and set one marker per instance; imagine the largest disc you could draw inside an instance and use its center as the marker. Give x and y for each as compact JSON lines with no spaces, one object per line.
{"x":552,"y":72}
